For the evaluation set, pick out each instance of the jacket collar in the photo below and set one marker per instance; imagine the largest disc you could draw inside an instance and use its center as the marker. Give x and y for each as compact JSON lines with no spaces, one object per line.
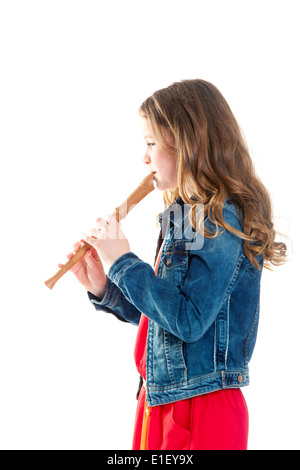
{"x":176,"y":212}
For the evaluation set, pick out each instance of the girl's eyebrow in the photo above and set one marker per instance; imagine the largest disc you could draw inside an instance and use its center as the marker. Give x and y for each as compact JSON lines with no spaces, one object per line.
{"x":148,"y":137}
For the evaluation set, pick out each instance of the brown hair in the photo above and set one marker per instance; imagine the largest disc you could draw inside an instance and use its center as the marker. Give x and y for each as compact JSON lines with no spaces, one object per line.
{"x":213,"y":163}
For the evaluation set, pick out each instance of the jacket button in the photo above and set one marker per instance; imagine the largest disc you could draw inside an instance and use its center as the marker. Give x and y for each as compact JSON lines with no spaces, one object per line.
{"x":168,"y":262}
{"x":240,"y":379}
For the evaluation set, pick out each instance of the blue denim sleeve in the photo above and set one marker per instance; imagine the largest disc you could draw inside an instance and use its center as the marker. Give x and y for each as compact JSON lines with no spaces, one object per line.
{"x":114,"y":302}
{"x":186,"y":312}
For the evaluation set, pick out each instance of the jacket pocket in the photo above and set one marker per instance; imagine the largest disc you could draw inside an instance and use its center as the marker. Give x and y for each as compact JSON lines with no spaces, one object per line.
{"x":177,"y":425}
{"x":174,"y":353}
{"x":175,"y":263}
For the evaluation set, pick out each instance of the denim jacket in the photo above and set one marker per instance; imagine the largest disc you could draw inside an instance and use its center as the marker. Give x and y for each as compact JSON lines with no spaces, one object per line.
{"x":203,"y":307}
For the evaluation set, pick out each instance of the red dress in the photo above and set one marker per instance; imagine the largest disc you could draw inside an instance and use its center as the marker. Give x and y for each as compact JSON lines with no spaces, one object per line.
{"x":214,"y":421}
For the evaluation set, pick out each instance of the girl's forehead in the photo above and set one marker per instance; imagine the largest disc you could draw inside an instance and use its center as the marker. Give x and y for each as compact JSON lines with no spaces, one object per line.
{"x":146,"y":127}
{"x":162,"y":134}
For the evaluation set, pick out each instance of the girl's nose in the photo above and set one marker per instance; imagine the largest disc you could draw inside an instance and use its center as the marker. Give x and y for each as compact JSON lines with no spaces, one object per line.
{"x":147,"y":158}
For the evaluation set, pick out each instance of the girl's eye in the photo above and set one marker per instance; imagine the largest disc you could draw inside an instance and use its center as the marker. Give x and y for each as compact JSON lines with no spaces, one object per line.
{"x":150,"y":144}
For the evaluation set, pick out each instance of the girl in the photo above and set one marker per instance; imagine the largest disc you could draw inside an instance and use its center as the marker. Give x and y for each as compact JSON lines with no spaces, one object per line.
{"x":198,"y":310}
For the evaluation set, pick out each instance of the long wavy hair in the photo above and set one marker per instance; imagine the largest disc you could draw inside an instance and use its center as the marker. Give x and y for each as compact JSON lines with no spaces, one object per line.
{"x":213,"y":163}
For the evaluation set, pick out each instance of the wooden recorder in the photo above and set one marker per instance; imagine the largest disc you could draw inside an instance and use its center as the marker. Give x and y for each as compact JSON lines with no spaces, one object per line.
{"x":145,"y":187}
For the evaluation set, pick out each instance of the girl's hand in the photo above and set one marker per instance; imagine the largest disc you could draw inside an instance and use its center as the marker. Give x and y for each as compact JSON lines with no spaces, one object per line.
{"x":89,"y":271}
{"x":108,"y":239}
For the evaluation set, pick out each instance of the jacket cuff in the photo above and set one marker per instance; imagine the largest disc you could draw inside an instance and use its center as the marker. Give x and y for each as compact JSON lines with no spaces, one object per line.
{"x":120,"y":266}
{"x":108,"y":301}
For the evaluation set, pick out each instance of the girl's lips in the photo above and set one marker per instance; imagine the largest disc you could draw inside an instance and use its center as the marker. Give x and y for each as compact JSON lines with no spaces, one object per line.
{"x":154,"y":179}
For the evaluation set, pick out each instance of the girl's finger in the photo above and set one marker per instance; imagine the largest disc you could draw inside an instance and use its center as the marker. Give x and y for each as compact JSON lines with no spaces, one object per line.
{"x":98,"y":233}
{"x":90,"y":260}
{"x":111,"y":219}
{"x":88,"y":239}
{"x":102,"y":225}
{"x":76,"y":246}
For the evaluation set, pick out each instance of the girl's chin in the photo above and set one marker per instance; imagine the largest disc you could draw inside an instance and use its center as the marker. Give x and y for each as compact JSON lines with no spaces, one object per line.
{"x":162,"y":185}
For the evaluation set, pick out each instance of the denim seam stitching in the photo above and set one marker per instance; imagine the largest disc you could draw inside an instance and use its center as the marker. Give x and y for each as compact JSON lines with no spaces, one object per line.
{"x":253,"y":326}
{"x":234,"y":276}
{"x":227,"y":339}
{"x":221,"y":374}
{"x":123,"y":272}
{"x":111,"y":303}
{"x":215,"y":345}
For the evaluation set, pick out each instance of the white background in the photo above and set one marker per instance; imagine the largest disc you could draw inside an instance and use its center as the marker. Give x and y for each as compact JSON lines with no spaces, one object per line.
{"x":73,"y":74}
